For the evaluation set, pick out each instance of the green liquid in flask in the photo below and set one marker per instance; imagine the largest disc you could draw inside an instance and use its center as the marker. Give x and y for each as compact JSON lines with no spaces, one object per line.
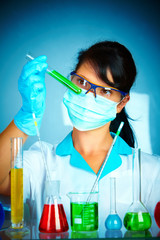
{"x":137,"y":221}
{"x":84,"y":217}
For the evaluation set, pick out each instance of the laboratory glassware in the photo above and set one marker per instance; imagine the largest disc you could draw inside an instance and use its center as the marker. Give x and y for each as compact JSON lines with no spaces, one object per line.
{"x":66,"y":82}
{"x":84,"y":216}
{"x":53,"y":219}
{"x":157,"y":214}
{"x":104,"y":163}
{"x":113,"y":221}
{"x":16,"y":183}
{"x":2,"y":215}
{"x":17,"y":209}
{"x":137,"y":218}
{"x":41,"y":148}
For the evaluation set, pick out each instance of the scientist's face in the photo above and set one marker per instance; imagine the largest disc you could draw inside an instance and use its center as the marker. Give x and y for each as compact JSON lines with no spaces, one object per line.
{"x":87,"y":71}
{"x":97,"y":104}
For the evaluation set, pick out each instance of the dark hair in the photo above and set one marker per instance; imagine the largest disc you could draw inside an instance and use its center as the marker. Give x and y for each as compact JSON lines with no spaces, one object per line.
{"x":118,"y":59}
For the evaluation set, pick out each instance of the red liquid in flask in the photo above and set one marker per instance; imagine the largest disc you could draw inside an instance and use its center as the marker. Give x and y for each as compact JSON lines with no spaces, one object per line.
{"x":53,"y":219}
{"x":157,"y":214}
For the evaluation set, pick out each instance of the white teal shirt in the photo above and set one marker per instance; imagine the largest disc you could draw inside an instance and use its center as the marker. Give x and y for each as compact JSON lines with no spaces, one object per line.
{"x":75,"y":175}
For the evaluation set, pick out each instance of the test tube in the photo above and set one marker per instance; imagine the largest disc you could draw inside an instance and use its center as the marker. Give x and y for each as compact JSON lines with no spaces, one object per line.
{"x":66,"y":82}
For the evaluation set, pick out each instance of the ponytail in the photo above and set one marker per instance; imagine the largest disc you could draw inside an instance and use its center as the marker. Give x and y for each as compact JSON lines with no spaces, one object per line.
{"x":126,"y":132}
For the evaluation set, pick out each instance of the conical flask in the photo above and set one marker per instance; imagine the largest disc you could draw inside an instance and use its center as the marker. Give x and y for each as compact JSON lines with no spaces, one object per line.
{"x":137,"y":218}
{"x":53,"y":219}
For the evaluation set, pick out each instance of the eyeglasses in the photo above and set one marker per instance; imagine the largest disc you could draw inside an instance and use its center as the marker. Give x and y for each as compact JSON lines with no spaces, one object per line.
{"x":106,"y":92}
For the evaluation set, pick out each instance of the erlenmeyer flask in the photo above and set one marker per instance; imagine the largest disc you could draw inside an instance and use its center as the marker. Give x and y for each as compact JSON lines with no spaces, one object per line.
{"x":137,"y":218}
{"x":53,"y":219}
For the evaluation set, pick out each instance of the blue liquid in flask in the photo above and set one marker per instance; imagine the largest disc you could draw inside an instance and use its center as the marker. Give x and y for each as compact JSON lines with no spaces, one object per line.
{"x":113,"y":221}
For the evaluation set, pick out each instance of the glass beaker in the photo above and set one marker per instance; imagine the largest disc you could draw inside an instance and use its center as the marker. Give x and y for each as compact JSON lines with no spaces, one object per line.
{"x":17,"y":208}
{"x":137,"y":218}
{"x":84,"y":215}
{"x":53,"y":219}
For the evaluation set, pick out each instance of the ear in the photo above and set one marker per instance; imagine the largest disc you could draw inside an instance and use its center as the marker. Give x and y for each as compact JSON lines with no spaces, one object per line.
{"x":123,"y":103}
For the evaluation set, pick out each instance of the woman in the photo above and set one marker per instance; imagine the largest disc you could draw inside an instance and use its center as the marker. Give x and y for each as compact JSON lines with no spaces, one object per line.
{"x":105,"y":72}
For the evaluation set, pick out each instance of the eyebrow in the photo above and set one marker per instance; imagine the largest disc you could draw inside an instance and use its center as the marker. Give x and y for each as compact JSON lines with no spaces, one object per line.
{"x":80,"y":75}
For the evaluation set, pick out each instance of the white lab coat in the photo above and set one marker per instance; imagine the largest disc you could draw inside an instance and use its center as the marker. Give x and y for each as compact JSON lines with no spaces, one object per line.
{"x":77,"y":179}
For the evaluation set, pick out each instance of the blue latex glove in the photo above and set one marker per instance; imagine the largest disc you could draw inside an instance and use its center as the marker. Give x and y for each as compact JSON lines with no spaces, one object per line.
{"x":31,"y":85}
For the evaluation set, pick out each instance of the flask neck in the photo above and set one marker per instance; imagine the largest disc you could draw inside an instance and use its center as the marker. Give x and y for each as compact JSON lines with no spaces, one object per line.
{"x":52,"y":192}
{"x":112,"y":195}
{"x":52,"y":200}
{"x":136,"y":175}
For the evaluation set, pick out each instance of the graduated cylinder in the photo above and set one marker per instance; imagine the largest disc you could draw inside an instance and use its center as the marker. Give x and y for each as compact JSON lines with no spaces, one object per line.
{"x":16,"y":183}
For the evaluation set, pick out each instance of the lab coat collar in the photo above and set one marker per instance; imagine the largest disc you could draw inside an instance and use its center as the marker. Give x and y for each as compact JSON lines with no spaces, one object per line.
{"x":66,"y":148}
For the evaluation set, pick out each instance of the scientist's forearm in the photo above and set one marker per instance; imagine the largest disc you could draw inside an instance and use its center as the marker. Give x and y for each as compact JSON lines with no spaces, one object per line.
{"x":5,"y":154}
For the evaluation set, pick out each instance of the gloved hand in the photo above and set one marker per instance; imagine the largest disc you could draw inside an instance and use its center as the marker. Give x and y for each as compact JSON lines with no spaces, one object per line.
{"x":31,"y":85}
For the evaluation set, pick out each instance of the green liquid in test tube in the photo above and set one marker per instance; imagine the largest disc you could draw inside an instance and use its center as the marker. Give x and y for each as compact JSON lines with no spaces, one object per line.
{"x":66,"y":82}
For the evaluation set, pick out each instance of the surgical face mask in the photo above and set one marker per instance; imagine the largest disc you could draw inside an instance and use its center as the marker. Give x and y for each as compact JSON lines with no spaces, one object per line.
{"x":87,"y":112}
